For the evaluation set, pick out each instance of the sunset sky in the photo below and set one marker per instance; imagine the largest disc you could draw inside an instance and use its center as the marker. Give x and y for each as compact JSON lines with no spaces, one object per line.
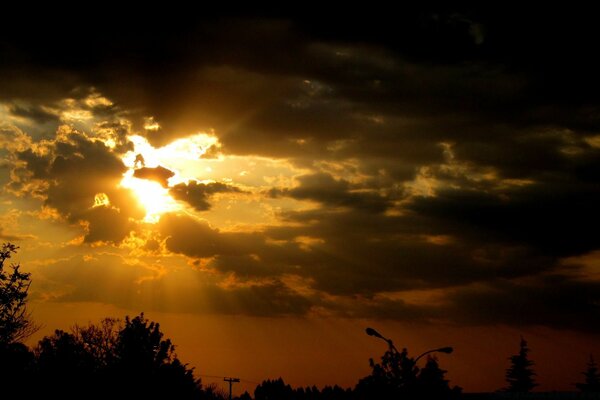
{"x":266,"y":186}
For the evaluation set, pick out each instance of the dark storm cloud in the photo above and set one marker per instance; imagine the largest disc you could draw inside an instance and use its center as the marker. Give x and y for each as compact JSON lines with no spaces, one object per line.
{"x":473,"y":134}
{"x":366,"y":253}
{"x":37,"y":114}
{"x":554,"y":217}
{"x":247,"y":254}
{"x":264,"y":83}
{"x":352,"y":253}
{"x":197,"y":194}
{"x":196,"y":238}
{"x":106,"y":224}
{"x":332,"y":192}
{"x":555,"y":300}
{"x":68,"y":174}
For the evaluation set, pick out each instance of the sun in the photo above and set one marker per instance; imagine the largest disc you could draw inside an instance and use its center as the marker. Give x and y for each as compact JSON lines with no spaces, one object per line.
{"x":153,"y":196}
{"x":155,"y":199}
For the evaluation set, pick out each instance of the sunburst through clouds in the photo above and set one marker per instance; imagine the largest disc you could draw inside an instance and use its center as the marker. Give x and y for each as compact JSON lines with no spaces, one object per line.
{"x":431,"y":171}
{"x":152,"y":171}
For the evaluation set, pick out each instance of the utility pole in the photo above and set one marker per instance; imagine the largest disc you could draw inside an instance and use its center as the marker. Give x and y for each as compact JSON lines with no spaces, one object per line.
{"x":231,"y":382}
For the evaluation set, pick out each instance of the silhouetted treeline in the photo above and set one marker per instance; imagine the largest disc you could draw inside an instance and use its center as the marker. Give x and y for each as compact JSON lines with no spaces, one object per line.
{"x":278,"y":389}
{"x":110,"y":360}
{"x":397,"y":376}
{"x":131,"y":359}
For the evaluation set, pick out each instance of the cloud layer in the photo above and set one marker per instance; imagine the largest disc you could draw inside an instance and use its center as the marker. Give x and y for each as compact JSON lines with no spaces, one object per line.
{"x":443,"y":167}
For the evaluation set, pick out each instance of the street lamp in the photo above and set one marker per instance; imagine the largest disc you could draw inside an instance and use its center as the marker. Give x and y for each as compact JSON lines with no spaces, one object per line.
{"x":374,"y":333}
{"x":446,"y":350}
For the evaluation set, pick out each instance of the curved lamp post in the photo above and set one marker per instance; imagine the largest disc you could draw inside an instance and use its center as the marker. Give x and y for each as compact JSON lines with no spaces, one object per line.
{"x":446,"y":350}
{"x":374,"y":333}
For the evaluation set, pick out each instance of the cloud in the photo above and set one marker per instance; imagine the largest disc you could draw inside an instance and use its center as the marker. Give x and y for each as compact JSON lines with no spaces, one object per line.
{"x":324,"y":188}
{"x":112,"y":279}
{"x":106,"y":224}
{"x":548,"y":216}
{"x":159,"y":174}
{"x":13,"y":237}
{"x":68,"y":173}
{"x":553,"y":300}
{"x":197,"y":238}
{"x":35,"y":113}
{"x":197,"y":194}
{"x":431,"y":154}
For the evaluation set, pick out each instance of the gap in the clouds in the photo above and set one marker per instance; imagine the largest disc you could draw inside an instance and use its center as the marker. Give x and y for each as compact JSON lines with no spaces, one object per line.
{"x":152,"y":194}
{"x":192,"y":175}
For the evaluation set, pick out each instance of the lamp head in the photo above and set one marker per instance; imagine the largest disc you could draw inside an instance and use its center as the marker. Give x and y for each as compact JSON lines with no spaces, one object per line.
{"x":446,"y":350}
{"x":373,"y":332}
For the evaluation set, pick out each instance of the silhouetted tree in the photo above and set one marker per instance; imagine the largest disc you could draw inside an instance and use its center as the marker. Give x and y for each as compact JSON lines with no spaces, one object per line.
{"x":275,"y":389}
{"x":592,"y":378}
{"x":101,"y":340}
{"x":213,"y":392}
{"x":16,"y":360}
{"x":335,"y":393}
{"x":146,"y":364}
{"x":130,"y":360}
{"x":244,"y":396}
{"x":395,"y":376}
{"x":63,"y":366}
{"x":312,"y":393}
{"x":432,"y":383}
{"x":16,"y":366}
{"x":520,"y":374}
{"x":15,"y":322}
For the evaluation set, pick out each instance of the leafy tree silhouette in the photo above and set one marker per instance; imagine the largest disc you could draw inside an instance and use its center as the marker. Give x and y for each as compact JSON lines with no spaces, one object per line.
{"x":520,"y":375}
{"x":16,"y":366}
{"x":394,"y":376}
{"x":213,"y":392}
{"x":275,"y":389}
{"x":15,"y":322}
{"x":16,"y":360}
{"x":398,"y":376}
{"x":146,"y":364}
{"x":592,"y":377}
{"x":244,"y":396}
{"x":432,"y":382}
{"x":335,"y":393}
{"x":129,"y":360}
{"x":63,"y":366}
{"x":100,"y":341}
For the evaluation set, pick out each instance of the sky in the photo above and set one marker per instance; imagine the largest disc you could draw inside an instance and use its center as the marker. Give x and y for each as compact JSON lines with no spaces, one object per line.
{"x":267,"y":185}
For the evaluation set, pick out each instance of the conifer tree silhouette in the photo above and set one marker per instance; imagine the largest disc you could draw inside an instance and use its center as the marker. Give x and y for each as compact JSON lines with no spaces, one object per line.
{"x":592,"y":377}
{"x":520,"y":374}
